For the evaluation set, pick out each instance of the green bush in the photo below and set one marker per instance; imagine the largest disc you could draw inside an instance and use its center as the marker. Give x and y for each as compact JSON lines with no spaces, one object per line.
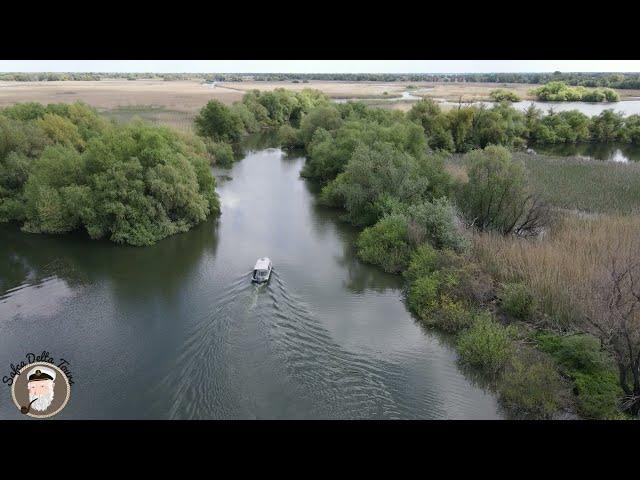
{"x":289,"y":137}
{"x":219,"y":122}
{"x":501,"y":95}
{"x":452,"y":315}
{"x":497,"y":196}
{"x":221,"y":154}
{"x":386,"y":244}
{"x":594,"y":376}
{"x":435,"y":222}
{"x":423,"y":262}
{"x":64,"y":169}
{"x":530,"y":385}
{"x":486,"y":344}
{"x":516,"y":300}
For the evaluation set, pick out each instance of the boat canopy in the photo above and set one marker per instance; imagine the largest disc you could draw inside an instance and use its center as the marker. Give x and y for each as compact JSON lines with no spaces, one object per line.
{"x":262,"y":264}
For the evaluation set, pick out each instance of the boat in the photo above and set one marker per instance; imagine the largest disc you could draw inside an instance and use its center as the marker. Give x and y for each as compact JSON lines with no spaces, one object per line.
{"x":262,"y":270}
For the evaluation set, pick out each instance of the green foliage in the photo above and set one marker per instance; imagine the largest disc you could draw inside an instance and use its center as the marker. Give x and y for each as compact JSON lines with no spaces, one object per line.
{"x":592,"y":372}
{"x":249,"y":121}
{"x":62,"y":168}
{"x":435,"y":123}
{"x":329,"y":152}
{"x":386,"y":244}
{"x":219,"y":122}
{"x":221,"y":153}
{"x":561,"y":92}
{"x":435,"y":222}
{"x":326,"y":117}
{"x":496,"y":197}
{"x":516,"y":300}
{"x":486,"y":344}
{"x":531,"y":385}
{"x":501,"y":95}
{"x":608,"y":127}
{"x":280,"y":106}
{"x":289,"y":137}
{"x":61,"y":130}
{"x":424,"y":261}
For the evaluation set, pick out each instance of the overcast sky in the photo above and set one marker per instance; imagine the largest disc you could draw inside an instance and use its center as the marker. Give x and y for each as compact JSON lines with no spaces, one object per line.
{"x":319,"y":66}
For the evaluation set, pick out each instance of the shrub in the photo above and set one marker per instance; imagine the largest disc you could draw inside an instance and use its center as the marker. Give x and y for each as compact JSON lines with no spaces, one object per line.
{"x":486,"y":344}
{"x":501,"y":95}
{"x":386,"y":244}
{"x":594,"y":376}
{"x":453,"y":316}
{"x":289,"y":137}
{"x":219,"y":122}
{"x":496,"y":197}
{"x":327,"y":117}
{"x":531,"y":385}
{"x":436,"y":222}
{"x":424,"y":261}
{"x":221,"y":154}
{"x":516,"y":300}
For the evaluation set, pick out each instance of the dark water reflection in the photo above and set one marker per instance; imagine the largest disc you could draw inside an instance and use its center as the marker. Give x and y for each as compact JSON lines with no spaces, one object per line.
{"x":178,"y":331}
{"x":611,"y":152}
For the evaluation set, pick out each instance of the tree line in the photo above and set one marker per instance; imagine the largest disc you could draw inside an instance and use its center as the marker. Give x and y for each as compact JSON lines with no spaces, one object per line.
{"x":585,"y":79}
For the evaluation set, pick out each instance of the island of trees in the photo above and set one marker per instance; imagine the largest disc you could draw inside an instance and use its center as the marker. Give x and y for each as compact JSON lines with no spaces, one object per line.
{"x":561,"y":92}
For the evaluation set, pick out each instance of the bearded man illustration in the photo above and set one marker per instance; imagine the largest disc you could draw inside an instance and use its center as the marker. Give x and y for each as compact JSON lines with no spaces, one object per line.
{"x":41,"y":385}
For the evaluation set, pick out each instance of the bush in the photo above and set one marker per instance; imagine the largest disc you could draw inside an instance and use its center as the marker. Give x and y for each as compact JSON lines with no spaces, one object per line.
{"x":424,"y":261}
{"x":501,"y":95}
{"x":516,"y":300}
{"x":435,"y":222}
{"x":289,"y":137}
{"x":594,"y":376}
{"x":221,"y":154}
{"x":496,"y":197}
{"x":326,"y":117}
{"x":219,"y":122}
{"x":486,"y":344}
{"x":133,"y":184}
{"x":531,"y":385}
{"x":452,"y":315}
{"x":386,"y":244}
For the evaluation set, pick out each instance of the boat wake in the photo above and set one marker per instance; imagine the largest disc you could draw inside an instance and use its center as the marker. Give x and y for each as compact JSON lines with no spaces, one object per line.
{"x":274,"y":351}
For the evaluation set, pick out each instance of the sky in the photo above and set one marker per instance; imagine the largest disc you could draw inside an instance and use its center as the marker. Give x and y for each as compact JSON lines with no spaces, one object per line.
{"x":319,"y":66}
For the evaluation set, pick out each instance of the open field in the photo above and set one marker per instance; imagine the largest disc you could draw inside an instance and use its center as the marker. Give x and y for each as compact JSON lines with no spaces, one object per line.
{"x":331,"y":89}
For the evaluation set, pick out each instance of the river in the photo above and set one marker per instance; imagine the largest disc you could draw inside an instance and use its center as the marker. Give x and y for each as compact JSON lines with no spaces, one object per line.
{"x":178,"y":331}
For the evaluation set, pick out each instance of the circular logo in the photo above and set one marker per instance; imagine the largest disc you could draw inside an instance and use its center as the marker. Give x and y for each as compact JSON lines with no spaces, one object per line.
{"x":41,"y":390}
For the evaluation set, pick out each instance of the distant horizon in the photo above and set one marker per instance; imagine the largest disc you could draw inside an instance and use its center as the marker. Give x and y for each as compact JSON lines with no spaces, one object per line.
{"x":308,"y":73}
{"x":249,"y":67}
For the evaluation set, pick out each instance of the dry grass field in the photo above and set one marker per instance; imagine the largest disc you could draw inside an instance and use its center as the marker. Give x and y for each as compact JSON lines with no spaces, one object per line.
{"x":175,"y":103}
{"x":331,"y":89}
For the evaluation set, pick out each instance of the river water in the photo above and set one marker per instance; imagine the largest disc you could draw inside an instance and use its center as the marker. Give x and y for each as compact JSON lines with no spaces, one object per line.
{"x":178,"y":331}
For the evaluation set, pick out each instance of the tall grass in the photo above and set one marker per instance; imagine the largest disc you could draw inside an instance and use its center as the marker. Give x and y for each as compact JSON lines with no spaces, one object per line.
{"x":562,"y":269}
{"x":587,"y":185}
{"x":180,"y":120}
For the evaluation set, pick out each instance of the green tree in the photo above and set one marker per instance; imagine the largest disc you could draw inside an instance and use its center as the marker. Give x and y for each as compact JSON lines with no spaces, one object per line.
{"x":219,"y":122}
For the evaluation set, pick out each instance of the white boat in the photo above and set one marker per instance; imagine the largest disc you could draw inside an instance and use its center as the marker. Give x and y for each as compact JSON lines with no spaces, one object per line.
{"x":262,"y":270}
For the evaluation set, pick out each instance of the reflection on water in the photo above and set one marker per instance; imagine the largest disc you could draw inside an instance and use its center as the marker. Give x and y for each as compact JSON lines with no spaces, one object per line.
{"x":177,"y":330}
{"x":613,"y":152}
